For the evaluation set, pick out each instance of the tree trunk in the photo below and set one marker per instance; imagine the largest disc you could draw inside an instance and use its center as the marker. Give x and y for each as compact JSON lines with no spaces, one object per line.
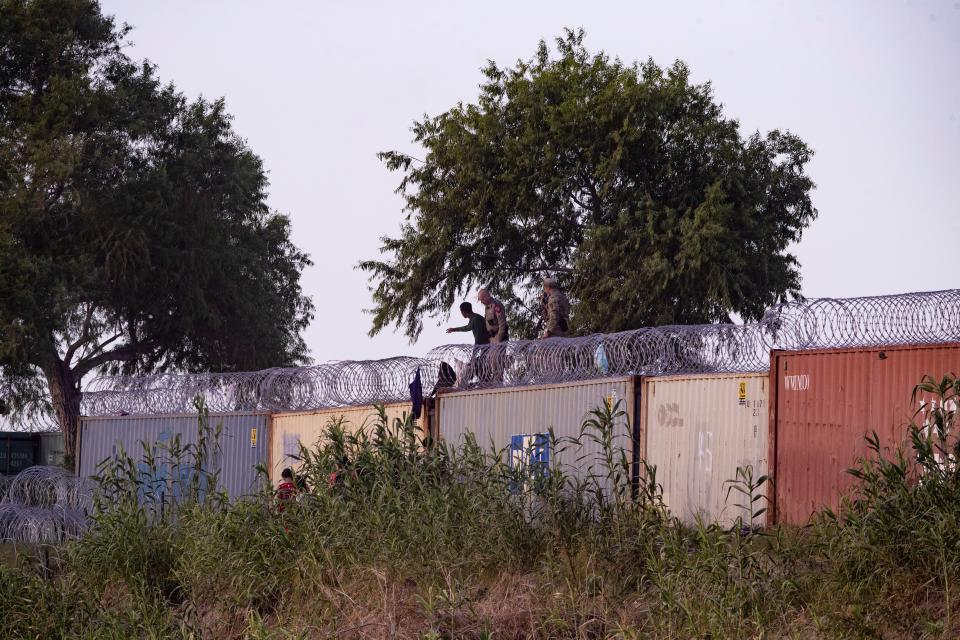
{"x":65,"y":398}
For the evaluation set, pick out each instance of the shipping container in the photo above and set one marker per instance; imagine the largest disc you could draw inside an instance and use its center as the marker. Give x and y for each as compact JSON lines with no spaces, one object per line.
{"x":51,"y":452}
{"x":244,"y":443}
{"x":513,"y":419}
{"x":697,"y":430}
{"x":824,"y":402}
{"x":308,"y":428}
{"x":18,"y":450}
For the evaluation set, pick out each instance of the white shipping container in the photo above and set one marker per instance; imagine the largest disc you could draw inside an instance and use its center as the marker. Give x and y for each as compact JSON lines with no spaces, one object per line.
{"x":499,"y":418}
{"x":242,"y":446}
{"x":290,"y":430}
{"x":697,"y":430}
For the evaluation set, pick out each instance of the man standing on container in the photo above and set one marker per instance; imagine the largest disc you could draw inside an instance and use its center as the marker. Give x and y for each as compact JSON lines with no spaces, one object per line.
{"x":495,"y":317}
{"x":556,"y":310}
{"x":476,"y":324}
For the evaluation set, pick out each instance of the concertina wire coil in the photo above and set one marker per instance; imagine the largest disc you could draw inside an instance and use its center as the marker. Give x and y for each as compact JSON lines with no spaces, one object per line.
{"x":910,"y":318}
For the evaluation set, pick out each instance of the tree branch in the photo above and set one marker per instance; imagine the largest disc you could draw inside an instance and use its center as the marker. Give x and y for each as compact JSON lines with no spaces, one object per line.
{"x":103,"y":345}
{"x":84,"y":336}
{"x":581,"y":204}
{"x":125,"y":353}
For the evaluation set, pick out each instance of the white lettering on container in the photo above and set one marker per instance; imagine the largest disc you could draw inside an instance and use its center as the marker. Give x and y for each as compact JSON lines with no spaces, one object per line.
{"x":797,"y":383}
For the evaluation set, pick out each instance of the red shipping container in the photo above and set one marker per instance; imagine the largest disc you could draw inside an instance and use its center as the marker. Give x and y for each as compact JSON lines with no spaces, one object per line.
{"x":824,"y":402}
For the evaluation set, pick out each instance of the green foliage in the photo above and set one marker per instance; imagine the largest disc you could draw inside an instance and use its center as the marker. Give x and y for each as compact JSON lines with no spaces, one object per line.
{"x":749,"y":489}
{"x":893,"y":545}
{"x":134,"y":230}
{"x":435,"y":542}
{"x":627,"y":181}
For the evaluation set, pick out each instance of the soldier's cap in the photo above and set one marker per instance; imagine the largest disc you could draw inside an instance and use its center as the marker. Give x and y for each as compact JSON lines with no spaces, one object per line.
{"x":550,"y":282}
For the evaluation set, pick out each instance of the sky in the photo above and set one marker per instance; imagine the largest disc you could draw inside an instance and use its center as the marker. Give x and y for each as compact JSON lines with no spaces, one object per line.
{"x":318,"y":88}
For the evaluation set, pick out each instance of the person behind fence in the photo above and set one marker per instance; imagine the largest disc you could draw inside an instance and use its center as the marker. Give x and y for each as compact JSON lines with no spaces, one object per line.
{"x":495,"y":316}
{"x":287,"y":489}
{"x":300,"y":482}
{"x":556,"y":310}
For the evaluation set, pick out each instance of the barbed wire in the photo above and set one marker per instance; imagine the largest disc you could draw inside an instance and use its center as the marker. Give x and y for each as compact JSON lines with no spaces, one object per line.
{"x":44,"y":505}
{"x":36,"y":417}
{"x":330,"y":385}
{"x":908,"y":318}
{"x":911,"y":318}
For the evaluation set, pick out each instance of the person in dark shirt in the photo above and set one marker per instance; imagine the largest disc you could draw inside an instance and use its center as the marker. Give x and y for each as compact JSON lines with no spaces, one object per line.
{"x":478,"y":325}
{"x":475,"y":323}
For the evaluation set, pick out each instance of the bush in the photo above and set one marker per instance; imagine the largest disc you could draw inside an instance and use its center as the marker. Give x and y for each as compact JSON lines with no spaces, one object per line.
{"x":422,"y":540}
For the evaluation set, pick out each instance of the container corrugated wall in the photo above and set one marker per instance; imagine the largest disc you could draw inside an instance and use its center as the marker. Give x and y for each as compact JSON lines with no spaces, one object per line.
{"x":18,"y":451}
{"x":697,"y":430}
{"x":290,"y":430}
{"x":826,"y":401}
{"x":494,"y":416}
{"x":244,"y":443}
{"x":51,"y":449}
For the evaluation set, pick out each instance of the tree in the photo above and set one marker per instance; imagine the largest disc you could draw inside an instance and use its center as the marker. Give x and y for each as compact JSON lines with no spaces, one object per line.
{"x":134,"y":233}
{"x":627,"y":182}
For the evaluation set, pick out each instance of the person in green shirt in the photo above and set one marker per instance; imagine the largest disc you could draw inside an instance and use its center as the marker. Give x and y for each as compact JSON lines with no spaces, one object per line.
{"x":478,"y":325}
{"x":475,"y":323}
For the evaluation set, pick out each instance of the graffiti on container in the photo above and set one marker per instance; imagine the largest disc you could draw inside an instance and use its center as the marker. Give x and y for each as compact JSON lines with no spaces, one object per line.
{"x":529,"y":460}
{"x":797,"y":383}
{"x":943,"y":442}
{"x":164,"y":470}
{"x":291,"y":447}
{"x":668,"y":415}
{"x":704,"y":452}
{"x":700,"y":474}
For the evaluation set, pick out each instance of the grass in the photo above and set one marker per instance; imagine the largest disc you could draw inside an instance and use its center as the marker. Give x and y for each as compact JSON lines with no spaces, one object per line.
{"x":8,"y":554}
{"x":415,"y":541}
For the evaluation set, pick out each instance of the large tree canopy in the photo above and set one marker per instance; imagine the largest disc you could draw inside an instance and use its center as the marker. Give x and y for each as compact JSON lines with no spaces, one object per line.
{"x":626,"y":181}
{"x":134,"y":233}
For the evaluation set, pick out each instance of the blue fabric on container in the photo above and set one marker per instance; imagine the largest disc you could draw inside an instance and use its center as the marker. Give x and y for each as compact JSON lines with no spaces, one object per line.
{"x":416,"y":395}
{"x":601,"y":359}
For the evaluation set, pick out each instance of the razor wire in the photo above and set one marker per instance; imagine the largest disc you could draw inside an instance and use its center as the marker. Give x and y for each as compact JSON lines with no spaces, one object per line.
{"x":330,"y":385}
{"x":930,"y":317}
{"x":44,"y":505}
{"x":911,"y":318}
{"x":652,"y":351}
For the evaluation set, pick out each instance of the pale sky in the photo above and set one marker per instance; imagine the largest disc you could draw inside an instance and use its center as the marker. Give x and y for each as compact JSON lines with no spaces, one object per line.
{"x":318,"y":88}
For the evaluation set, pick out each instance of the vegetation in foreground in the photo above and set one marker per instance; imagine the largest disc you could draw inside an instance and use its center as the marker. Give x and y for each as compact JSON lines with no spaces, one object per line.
{"x":414,"y":541}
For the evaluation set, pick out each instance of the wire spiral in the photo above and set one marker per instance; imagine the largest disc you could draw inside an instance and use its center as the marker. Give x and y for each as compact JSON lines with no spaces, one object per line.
{"x":335,"y":384}
{"x":910,"y":318}
{"x":44,"y":505}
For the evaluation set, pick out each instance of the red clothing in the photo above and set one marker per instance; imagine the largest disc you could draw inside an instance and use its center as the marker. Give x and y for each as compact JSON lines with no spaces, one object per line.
{"x":285,"y":492}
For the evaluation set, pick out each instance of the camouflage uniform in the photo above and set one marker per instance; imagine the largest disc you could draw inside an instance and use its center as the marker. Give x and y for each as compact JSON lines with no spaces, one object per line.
{"x":496,"y":318}
{"x":557,"y":312}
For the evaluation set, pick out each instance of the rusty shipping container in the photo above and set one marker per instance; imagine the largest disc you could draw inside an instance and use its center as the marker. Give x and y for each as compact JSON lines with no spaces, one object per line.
{"x":244,"y":444}
{"x":513,"y":418}
{"x":308,"y":428}
{"x":697,"y":430}
{"x":824,"y":402}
